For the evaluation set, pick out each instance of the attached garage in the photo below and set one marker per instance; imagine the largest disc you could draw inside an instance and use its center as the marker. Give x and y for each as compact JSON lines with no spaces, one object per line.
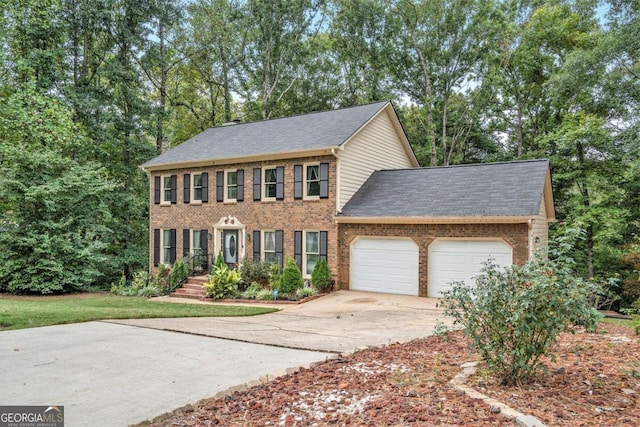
{"x":461,"y":260}
{"x":385,"y":265}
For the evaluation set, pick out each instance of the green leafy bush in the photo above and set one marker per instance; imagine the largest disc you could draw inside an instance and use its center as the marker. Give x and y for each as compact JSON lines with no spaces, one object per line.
{"x":222,"y":282}
{"x":255,"y":271}
{"x":321,"y":276}
{"x":142,"y":285}
{"x":179,"y":273}
{"x":291,"y":279}
{"x":265,"y":295}
{"x":306,"y":292}
{"x":513,"y":316}
{"x":274,"y":276}
{"x":252,"y":291}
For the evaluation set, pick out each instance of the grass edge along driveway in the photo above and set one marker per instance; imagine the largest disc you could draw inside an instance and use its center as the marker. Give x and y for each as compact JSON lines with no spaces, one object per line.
{"x":31,"y":312}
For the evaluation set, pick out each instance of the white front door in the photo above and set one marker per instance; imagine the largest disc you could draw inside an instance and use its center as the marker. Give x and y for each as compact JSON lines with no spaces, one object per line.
{"x":230,"y":247}
{"x":462,"y":260}
{"x":384,"y":265}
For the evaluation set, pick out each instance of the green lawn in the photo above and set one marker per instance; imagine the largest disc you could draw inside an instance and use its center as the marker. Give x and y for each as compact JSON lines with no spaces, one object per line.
{"x":31,"y":312}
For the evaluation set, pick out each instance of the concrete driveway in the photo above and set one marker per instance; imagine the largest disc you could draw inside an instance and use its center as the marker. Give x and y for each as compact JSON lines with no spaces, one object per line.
{"x":114,"y":373}
{"x":342,"y":321}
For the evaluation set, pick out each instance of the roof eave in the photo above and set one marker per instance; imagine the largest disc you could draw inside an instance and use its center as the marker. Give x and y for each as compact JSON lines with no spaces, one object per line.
{"x":245,"y":159}
{"x":434,"y":220}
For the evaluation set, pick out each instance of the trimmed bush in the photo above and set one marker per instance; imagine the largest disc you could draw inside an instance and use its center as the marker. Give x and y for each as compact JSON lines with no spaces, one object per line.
{"x":291,"y":279}
{"x":513,"y":316}
{"x":321,"y":276}
{"x":255,"y":271}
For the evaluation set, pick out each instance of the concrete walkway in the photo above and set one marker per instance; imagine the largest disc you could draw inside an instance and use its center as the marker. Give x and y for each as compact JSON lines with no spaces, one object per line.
{"x":339,"y":322}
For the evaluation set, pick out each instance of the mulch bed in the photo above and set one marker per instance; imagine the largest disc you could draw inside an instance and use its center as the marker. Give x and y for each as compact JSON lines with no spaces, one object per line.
{"x":594,"y":381}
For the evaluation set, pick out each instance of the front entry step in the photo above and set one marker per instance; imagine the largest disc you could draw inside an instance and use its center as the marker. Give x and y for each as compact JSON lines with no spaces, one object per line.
{"x":194,"y":288}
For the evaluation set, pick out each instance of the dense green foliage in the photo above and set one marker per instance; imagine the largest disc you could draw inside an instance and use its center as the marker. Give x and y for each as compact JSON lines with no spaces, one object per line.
{"x":32,"y":312}
{"x":291,"y":279}
{"x":513,"y":316}
{"x":222,"y":282}
{"x":96,"y":88}
{"x":321,"y":276}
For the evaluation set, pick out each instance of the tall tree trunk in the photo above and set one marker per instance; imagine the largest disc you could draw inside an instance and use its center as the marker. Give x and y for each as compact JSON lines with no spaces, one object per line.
{"x":586,"y":202}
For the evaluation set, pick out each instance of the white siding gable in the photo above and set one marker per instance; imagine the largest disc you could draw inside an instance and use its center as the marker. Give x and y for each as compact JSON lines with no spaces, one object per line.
{"x":539,"y":230}
{"x":376,"y":146}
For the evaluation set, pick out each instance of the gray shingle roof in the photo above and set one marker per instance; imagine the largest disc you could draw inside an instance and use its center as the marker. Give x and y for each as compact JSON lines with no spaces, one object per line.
{"x":489,"y":189}
{"x":306,"y":132}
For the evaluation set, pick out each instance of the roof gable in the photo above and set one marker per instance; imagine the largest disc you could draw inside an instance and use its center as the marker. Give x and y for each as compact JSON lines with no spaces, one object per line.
{"x":284,"y":137}
{"x":511,"y":189}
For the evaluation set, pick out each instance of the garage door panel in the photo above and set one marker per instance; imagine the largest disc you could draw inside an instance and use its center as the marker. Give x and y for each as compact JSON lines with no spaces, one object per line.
{"x":462,"y":260}
{"x":384,"y":265}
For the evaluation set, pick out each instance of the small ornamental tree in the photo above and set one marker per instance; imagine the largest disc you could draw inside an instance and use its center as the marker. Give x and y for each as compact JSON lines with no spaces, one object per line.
{"x":513,"y":316}
{"x":291,"y":279}
{"x":321,"y":276}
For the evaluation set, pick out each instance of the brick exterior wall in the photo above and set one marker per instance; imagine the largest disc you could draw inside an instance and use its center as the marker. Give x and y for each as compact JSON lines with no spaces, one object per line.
{"x":288,"y":214}
{"x":516,"y":235}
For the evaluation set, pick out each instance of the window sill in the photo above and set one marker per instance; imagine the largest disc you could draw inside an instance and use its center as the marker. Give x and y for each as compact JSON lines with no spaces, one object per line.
{"x":165,"y":204}
{"x":311,"y":199}
{"x":196,"y":203}
{"x":230,"y":202}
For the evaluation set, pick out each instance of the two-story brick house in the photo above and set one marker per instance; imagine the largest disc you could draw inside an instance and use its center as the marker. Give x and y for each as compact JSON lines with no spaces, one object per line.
{"x":339,"y":185}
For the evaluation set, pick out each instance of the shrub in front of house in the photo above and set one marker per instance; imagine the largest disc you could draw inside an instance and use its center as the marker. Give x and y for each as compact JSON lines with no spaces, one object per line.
{"x":255,"y":271}
{"x":291,"y":279}
{"x":513,"y":316}
{"x":321,"y":276}
{"x":142,"y":285}
{"x":306,"y":292}
{"x":252,"y":291}
{"x":222,"y":282}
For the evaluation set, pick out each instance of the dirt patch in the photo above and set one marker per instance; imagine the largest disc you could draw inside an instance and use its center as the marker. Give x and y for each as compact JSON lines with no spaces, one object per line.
{"x":595,"y":380}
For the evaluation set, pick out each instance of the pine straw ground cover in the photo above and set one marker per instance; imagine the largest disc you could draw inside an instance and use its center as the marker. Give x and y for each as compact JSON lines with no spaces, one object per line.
{"x":595,"y":380}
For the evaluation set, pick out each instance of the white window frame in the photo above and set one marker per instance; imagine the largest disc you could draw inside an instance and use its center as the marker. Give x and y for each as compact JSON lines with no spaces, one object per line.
{"x":305,"y":194}
{"x":305,"y":253}
{"x":165,"y":246}
{"x":264,"y":183}
{"x":226,"y":197}
{"x":263,"y":246}
{"x":164,"y":189}
{"x":193,"y":241}
{"x":192,"y":189}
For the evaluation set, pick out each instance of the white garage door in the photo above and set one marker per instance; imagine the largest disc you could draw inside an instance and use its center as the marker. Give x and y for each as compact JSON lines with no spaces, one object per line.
{"x":384,"y":265}
{"x":461,"y":260}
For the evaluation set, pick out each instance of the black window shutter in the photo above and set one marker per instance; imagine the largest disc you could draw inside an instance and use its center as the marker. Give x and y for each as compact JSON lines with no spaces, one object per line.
{"x":280,"y":183}
{"x":256,"y":245}
{"x":240,"y":181}
{"x":174,"y":188}
{"x":156,"y":247}
{"x":297,"y":248}
{"x":186,"y":195}
{"x":172,"y":242}
{"x":185,"y":241}
{"x":323,"y":245}
{"x":279,"y":247}
{"x":297,"y":181}
{"x":156,"y":190}
{"x":219,"y":186}
{"x":204,"y":242}
{"x":324,"y":180}
{"x":257,"y":177}
{"x":205,"y":187}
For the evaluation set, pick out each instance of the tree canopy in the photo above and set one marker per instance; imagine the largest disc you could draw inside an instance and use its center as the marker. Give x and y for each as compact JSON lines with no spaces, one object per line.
{"x":90,"y":89}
